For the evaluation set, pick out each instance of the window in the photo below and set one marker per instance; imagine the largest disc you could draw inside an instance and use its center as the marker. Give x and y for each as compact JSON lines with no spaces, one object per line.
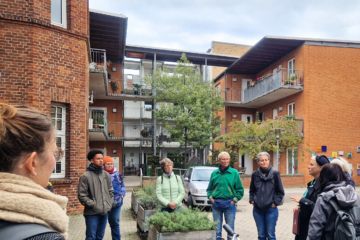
{"x":291,"y":108}
{"x":218,"y":90}
{"x":148,"y":106}
{"x":262,"y":116}
{"x":58,"y":114}
{"x":292,"y":160}
{"x":291,"y":67}
{"x":58,"y":13}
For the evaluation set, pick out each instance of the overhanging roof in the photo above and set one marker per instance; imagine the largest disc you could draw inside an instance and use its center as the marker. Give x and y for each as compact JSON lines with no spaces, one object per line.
{"x":270,"y":49}
{"x":171,"y":55}
{"x":108,"y":31}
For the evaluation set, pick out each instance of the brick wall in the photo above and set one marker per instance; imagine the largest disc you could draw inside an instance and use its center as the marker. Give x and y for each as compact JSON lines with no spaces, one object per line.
{"x":42,"y":64}
{"x":227,"y":49}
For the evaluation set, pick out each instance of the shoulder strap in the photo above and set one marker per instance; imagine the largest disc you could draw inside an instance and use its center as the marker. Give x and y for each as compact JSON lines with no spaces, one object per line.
{"x":15,"y":231}
{"x":334,"y":204}
{"x":162,"y":179}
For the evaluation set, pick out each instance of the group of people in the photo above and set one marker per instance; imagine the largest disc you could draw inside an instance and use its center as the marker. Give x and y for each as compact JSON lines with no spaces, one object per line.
{"x":28,"y":154}
{"x":101,"y":191}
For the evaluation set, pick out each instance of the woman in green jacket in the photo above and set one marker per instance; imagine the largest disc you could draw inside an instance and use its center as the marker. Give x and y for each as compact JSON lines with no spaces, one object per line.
{"x":169,"y":189}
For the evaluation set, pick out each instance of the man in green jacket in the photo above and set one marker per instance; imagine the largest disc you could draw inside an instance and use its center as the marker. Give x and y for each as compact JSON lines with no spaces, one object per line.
{"x":96,"y":193}
{"x":169,"y":188}
{"x":224,"y":190}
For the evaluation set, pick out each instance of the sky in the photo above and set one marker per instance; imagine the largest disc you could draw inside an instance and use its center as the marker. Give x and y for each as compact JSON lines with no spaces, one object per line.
{"x":193,"y":25}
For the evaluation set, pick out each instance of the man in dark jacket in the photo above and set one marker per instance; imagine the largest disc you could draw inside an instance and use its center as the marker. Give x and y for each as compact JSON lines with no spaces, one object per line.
{"x":307,"y":202}
{"x":224,"y":190}
{"x":96,"y":193}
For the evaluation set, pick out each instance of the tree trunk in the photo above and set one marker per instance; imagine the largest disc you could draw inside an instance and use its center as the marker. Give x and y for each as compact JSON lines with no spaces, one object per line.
{"x":185,"y":157}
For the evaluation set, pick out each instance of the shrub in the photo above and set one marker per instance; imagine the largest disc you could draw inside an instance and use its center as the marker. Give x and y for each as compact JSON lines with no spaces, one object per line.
{"x":147,"y":190}
{"x":185,"y":221}
{"x":149,"y":202}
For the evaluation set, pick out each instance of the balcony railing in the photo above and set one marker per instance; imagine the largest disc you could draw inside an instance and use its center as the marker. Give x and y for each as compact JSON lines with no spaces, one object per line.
{"x":98,"y":60}
{"x":129,"y":86}
{"x":231,"y":94}
{"x":287,"y":78}
{"x":137,"y":113}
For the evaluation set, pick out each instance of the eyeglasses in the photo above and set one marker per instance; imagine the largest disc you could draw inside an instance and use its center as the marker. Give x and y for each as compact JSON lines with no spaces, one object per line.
{"x":59,"y":154}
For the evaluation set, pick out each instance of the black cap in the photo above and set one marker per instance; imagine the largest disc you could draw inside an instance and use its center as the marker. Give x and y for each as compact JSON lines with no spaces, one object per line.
{"x":322,"y":160}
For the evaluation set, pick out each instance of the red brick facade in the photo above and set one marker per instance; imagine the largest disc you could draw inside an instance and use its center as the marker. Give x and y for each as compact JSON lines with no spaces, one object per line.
{"x":327,"y":104}
{"x":41,"y":64}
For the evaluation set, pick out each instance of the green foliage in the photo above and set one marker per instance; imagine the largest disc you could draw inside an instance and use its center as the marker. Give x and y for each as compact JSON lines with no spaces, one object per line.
{"x":154,"y":161}
{"x":197,"y":105}
{"x":184,"y":221}
{"x":148,"y":189}
{"x":215,"y":154}
{"x":289,"y":117}
{"x":149,"y":202}
{"x":113,"y":86}
{"x":255,"y":137}
{"x":136,"y":87}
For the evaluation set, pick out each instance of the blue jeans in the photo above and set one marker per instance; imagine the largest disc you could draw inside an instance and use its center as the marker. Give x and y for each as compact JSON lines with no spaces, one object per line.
{"x":229,"y":214}
{"x":265,"y":222}
{"x":95,"y":227}
{"x":114,"y":220}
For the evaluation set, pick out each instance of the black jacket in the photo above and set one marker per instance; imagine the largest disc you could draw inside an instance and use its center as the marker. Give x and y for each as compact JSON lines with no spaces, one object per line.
{"x":266,"y":190}
{"x":307,"y":205}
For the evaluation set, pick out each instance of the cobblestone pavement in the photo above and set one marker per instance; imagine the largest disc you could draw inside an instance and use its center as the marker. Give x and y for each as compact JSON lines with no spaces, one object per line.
{"x":244,"y":222}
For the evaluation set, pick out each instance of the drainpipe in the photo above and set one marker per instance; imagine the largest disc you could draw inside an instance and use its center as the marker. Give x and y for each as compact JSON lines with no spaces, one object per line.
{"x":154,"y":108}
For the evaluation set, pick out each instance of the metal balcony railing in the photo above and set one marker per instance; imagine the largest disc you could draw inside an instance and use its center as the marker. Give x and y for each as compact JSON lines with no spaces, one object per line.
{"x":137,"y":113}
{"x":98,"y":60}
{"x":288,"y":78}
{"x":231,"y":94}
{"x":129,"y":86}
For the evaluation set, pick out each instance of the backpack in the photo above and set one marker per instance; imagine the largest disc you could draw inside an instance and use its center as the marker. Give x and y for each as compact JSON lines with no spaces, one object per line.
{"x":16,"y":231}
{"x":347,"y":223}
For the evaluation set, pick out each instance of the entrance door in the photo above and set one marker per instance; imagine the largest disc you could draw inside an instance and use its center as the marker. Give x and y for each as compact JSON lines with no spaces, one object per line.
{"x":245,"y":83}
{"x":275,"y":113}
{"x":292,"y":160}
{"x":246,"y":118}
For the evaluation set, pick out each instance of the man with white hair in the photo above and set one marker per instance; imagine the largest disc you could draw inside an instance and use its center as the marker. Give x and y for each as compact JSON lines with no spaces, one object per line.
{"x":224,"y":190}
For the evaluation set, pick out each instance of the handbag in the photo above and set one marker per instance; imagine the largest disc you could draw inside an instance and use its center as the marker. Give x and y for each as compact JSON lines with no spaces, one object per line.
{"x":296,"y":223}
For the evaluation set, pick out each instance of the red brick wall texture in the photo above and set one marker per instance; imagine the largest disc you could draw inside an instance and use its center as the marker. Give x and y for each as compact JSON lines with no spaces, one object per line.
{"x":41,"y":64}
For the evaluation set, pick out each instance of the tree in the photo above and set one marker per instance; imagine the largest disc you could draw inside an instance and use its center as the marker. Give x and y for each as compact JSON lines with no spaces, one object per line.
{"x":189,"y":106}
{"x":255,"y":137}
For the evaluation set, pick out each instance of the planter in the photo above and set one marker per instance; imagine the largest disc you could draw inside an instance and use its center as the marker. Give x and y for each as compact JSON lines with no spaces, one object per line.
{"x":141,"y":217}
{"x":96,"y":125}
{"x":136,"y":93}
{"x":134,"y":202}
{"x":198,"y":235}
{"x":100,"y":67}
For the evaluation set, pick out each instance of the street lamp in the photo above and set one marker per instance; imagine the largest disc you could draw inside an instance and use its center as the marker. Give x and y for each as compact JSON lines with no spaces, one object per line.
{"x":277,"y":135}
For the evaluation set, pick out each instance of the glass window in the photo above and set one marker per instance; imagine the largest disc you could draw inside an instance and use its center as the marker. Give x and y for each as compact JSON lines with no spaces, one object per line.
{"x":291,"y":109}
{"x":202,"y":174}
{"x":58,"y":13}
{"x":58,"y":114}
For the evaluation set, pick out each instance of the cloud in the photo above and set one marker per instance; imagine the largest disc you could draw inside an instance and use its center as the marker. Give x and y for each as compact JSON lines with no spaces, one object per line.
{"x":192,"y":25}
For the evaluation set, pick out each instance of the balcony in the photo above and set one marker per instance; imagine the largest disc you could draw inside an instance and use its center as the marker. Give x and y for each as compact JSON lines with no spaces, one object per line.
{"x":137,"y":113}
{"x":98,"y":128}
{"x":98,"y":72}
{"x":132,"y":87}
{"x":282,"y":84}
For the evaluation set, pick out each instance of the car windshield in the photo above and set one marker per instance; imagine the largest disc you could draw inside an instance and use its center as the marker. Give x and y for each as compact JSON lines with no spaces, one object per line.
{"x":202,"y":174}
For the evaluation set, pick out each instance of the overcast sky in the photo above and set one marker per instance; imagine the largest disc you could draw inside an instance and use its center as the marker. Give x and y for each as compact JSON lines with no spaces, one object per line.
{"x":193,"y":25}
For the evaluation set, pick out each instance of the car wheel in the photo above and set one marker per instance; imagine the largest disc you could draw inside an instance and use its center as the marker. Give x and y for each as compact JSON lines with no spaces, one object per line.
{"x":190,"y":202}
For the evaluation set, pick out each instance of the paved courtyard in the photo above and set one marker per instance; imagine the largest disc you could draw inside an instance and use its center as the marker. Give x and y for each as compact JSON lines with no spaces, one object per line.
{"x":244,"y":223}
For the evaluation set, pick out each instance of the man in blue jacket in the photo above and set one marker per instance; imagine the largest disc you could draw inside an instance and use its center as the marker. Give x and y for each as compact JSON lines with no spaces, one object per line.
{"x":224,"y":190}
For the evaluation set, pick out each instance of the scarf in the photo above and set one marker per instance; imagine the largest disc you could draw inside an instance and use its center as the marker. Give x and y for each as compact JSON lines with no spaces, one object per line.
{"x":110,"y":171}
{"x":265,"y":171}
{"x":94,"y":168}
{"x":223,"y":170}
{"x":23,"y":201}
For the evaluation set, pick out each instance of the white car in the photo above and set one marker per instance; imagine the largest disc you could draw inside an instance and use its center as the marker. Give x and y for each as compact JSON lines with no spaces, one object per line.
{"x":196,"y":181}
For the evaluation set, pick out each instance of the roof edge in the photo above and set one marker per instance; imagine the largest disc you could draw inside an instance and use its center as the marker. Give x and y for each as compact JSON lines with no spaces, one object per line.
{"x":108,"y":13}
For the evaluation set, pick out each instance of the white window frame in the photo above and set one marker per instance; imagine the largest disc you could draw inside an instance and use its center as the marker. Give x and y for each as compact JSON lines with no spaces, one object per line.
{"x":60,"y":134}
{"x":292,"y":159}
{"x":292,"y":107}
{"x":63,"y":15}
{"x":218,"y":90}
{"x":291,"y":70}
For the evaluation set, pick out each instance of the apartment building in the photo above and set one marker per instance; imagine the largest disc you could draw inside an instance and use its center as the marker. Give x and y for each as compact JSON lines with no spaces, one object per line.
{"x":44,"y":63}
{"x":314,"y":79}
{"x":121,"y":121}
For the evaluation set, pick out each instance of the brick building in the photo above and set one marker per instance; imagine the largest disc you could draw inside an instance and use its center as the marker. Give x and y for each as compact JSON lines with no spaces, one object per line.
{"x":317,"y":76}
{"x":44,"y":63}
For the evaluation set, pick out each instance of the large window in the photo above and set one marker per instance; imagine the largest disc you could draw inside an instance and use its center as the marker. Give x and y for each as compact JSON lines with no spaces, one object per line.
{"x":291,"y":109}
{"x":292,"y":160}
{"x":58,"y":118}
{"x":58,"y":13}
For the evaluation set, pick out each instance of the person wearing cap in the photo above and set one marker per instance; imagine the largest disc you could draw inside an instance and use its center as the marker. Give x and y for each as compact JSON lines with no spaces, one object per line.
{"x":307,"y":202}
{"x":96,"y":193}
{"x":119,"y":193}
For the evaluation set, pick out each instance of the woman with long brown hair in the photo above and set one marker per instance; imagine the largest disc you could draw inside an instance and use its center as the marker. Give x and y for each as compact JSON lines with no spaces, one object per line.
{"x":27,"y":158}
